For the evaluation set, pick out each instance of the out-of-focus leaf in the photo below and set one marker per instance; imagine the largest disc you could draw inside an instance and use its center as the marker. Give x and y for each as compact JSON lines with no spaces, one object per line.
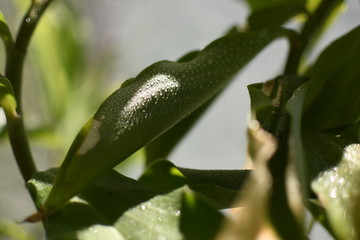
{"x":269,"y":106}
{"x":273,"y":13}
{"x":339,"y":193}
{"x":333,"y":99}
{"x":5,"y":33}
{"x":60,"y":78}
{"x":13,"y":231}
{"x":218,"y":186}
{"x":259,"y":99}
{"x":274,"y":16}
{"x":145,"y":107}
{"x":199,"y":220}
{"x":252,"y":220}
{"x":297,"y":155}
{"x":7,"y":99}
{"x":257,"y":5}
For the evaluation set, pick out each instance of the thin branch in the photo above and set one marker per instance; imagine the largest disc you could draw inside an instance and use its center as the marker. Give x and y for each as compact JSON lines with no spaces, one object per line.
{"x":14,"y":67}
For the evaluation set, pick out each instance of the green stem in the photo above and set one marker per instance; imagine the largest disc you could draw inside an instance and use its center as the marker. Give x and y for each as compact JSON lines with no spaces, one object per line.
{"x":311,"y":28}
{"x":14,"y":69}
{"x":15,"y":61}
{"x":20,"y":146}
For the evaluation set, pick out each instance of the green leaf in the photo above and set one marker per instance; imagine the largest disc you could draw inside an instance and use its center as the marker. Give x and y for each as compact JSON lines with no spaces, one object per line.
{"x":117,"y":207}
{"x":199,"y":220}
{"x":339,"y":193}
{"x":250,"y":221}
{"x":7,"y":99}
{"x":162,"y":176}
{"x":157,"y":218}
{"x":333,"y":99}
{"x":95,"y":210}
{"x":269,"y":111}
{"x":275,"y":15}
{"x":13,"y":231}
{"x":145,"y":107}
{"x":219,"y":186}
{"x":5,"y":34}
{"x":296,"y":151}
{"x":257,"y":5}
{"x":162,"y":146}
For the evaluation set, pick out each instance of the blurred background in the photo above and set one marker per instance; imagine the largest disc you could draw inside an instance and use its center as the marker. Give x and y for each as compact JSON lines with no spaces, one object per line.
{"x":84,"y":50}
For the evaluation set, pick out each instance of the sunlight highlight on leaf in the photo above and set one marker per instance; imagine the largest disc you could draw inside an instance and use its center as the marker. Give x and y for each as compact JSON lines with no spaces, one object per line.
{"x":339,"y":193}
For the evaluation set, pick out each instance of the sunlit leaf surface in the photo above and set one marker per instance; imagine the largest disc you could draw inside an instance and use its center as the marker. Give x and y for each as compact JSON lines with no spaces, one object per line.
{"x":144,"y":107}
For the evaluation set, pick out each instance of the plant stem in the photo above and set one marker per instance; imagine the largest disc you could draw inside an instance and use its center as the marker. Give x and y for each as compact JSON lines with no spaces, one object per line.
{"x":20,"y":146}
{"x":310,"y":29}
{"x":14,"y":68}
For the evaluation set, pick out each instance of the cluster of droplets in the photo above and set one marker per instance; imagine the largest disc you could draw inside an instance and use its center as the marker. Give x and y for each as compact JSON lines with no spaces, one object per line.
{"x":157,"y":88}
{"x":166,"y":92}
{"x":338,"y":188}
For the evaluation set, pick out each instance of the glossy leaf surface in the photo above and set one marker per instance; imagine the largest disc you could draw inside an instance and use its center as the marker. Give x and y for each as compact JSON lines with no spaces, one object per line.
{"x":148,"y":105}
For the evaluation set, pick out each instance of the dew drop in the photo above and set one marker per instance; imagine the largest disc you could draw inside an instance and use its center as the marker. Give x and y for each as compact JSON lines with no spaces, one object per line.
{"x":143,"y":207}
{"x":28,"y":20}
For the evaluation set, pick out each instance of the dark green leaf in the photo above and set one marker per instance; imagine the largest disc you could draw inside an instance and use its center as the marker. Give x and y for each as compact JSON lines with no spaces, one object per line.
{"x":257,"y":5}
{"x":297,"y":155}
{"x":334,"y":99}
{"x":145,"y":107}
{"x":274,"y":16}
{"x":162,"y":176}
{"x":219,"y":186}
{"x":230,"y":179}
{"x":269,"y":108}
{"x":199,"y":220}
{"x":273,"y":13}
{"x":115,"y":207}
{"x":162,"y":146}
